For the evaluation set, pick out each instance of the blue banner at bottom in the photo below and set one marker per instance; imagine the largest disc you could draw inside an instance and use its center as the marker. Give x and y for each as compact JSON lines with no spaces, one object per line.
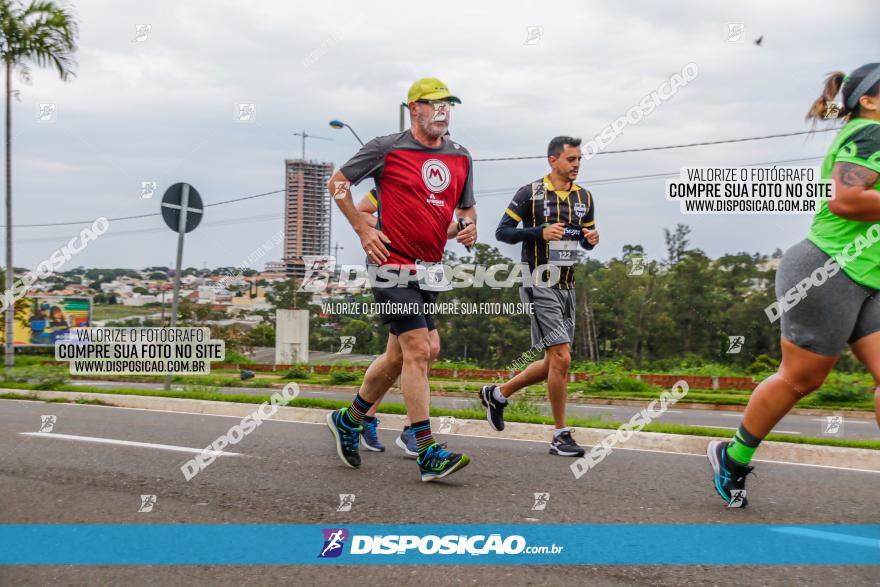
{"x":487,"y":544}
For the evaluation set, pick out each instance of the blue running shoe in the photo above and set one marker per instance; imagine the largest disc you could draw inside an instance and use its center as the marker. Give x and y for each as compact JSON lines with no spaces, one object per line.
{"x":346,"y":439}
{"x":730,"y":477}
{"x":371,"y":437}
{"x":437,"y":462}
{"x":407,"y":441}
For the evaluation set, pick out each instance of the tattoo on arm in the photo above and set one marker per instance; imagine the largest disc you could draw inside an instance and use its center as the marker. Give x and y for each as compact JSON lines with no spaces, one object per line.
{"x":854,"y":175}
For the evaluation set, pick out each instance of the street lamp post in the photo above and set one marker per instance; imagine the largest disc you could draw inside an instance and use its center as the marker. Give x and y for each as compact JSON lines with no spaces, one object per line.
{"x":338,"y":124}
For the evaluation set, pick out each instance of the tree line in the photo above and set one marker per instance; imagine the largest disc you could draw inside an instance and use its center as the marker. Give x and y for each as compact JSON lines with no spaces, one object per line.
{"x":639,"y":312}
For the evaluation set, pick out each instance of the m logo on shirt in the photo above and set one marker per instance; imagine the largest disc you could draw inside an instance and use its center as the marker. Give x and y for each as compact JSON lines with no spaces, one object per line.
{"x":580,"y":209}
{"x":436,"y":175}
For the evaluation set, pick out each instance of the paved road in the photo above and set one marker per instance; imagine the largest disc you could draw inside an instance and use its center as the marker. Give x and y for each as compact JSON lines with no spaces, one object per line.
{"x":853,"y":428}
{"x":290,"y":474}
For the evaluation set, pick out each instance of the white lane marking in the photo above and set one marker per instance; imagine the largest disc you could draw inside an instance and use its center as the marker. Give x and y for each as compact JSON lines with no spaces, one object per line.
{"x":168,"y":447}
{"x":665,"y":452}
{"x":833,"y":536}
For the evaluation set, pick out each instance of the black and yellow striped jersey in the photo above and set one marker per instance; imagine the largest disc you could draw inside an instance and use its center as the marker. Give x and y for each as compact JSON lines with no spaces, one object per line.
{"x":539,"y":204}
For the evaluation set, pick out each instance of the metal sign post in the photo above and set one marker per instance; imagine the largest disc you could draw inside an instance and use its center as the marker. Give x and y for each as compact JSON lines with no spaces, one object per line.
{"x":182,"y":210}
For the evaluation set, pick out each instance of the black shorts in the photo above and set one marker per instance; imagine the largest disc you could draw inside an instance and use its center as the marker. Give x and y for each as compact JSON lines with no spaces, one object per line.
{"x":406,"y":307}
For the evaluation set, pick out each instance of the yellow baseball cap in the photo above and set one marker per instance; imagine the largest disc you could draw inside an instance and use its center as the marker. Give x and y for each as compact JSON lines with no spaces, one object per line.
{"x":430,"y":88}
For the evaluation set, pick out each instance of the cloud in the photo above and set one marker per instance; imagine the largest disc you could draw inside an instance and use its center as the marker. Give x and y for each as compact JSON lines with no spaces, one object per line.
{"x":162,"y":109}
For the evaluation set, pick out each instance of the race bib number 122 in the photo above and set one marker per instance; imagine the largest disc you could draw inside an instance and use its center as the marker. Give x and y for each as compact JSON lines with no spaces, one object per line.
{"x":563,"y":253}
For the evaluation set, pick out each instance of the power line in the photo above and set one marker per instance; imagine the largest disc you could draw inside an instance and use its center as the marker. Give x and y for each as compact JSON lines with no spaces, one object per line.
{"x":631,"y":178}
{"x":81,"y":222}
{"x":478,"y":194}
{"x":660,"y":148}
{"x":245,"y":198}
{"x":681,"y":146}
{"x":138,"y":231}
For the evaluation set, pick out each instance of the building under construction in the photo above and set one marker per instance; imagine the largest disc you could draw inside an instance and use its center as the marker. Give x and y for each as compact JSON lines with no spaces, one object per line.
{"x":306,"y":212}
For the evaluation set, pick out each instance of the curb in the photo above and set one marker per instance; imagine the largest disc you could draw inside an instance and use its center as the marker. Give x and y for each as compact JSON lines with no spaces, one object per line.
{"x":849,"y":413}
{"x":855,"y":414}
{"x":803,"y":454}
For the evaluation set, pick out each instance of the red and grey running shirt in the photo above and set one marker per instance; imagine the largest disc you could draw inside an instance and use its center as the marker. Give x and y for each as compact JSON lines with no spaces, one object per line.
{"x":417,"y":189}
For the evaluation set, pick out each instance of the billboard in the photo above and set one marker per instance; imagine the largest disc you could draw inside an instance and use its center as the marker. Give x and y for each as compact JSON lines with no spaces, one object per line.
{"x":41,"y":320}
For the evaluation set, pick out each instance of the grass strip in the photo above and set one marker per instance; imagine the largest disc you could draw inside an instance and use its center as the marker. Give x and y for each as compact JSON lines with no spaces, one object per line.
{"x":53,"y":400}
{"x":519,"y":412}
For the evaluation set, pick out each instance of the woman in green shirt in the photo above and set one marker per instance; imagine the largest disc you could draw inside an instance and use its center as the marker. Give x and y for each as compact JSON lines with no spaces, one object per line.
{"x":827,"y":285}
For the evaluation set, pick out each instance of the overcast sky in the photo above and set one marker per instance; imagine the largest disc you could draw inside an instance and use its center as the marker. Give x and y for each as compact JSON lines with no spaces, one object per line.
{"x":162,"y":109}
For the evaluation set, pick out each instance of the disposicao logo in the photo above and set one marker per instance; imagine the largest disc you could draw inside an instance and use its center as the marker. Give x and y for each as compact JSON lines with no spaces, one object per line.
{"x":431,"y":544}
{"x":334,"y":541}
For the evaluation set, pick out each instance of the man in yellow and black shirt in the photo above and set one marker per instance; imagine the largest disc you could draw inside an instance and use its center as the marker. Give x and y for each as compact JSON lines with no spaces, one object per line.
{"x":558,"y":218}
{"x":556,"y":221}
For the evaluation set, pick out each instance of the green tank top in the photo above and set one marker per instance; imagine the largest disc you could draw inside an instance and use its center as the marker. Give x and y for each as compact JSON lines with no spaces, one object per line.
{"x":855,"y":244}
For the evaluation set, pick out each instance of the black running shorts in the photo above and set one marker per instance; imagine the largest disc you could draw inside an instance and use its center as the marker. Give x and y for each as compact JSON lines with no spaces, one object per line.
{"x":404,"y":307}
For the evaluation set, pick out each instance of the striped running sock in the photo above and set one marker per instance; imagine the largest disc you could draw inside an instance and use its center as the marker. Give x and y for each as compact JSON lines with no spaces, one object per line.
{"x":356,"y":412}
{"x":743,"y":446}
{"x":424,"y":440}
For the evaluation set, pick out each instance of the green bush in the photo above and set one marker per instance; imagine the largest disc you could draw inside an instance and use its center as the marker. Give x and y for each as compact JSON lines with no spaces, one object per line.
{"x":339,"y":376}
{"x":610,"y":366}
{"x":455,"y":365}
{"x":262,"y":335}
{"x":762,"y":364}
{"x":842,"y":392}
{"x":606,"y":383}
{"x":40,"y":377}
{"x":690,"y":364}
{"x":298,"y":371}
{"x":32,"y":360}
{"x":233,"y":357}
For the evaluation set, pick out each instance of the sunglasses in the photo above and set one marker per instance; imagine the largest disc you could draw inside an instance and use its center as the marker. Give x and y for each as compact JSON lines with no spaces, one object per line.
{"x":438,"y":104}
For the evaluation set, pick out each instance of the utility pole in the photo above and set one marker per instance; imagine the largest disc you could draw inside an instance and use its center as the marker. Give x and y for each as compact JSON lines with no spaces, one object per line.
{"x":305,"y":136}
{"x":403,"y":108}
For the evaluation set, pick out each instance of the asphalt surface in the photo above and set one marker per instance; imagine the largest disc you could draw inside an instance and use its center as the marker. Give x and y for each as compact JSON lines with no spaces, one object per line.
{"x":289,"y":473}
{"x":798,"y":425}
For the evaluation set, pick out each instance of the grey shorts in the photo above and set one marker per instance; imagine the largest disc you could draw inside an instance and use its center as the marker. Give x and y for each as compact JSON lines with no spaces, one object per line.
{"x":553,"y":316}
{"x":832,"y":314}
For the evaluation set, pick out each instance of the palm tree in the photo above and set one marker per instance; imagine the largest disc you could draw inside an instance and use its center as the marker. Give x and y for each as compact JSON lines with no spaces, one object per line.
{"x":42,"y":33}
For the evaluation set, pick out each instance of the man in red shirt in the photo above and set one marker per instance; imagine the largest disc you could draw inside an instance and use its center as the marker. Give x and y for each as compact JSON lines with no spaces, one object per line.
{"x":421,"y":177}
